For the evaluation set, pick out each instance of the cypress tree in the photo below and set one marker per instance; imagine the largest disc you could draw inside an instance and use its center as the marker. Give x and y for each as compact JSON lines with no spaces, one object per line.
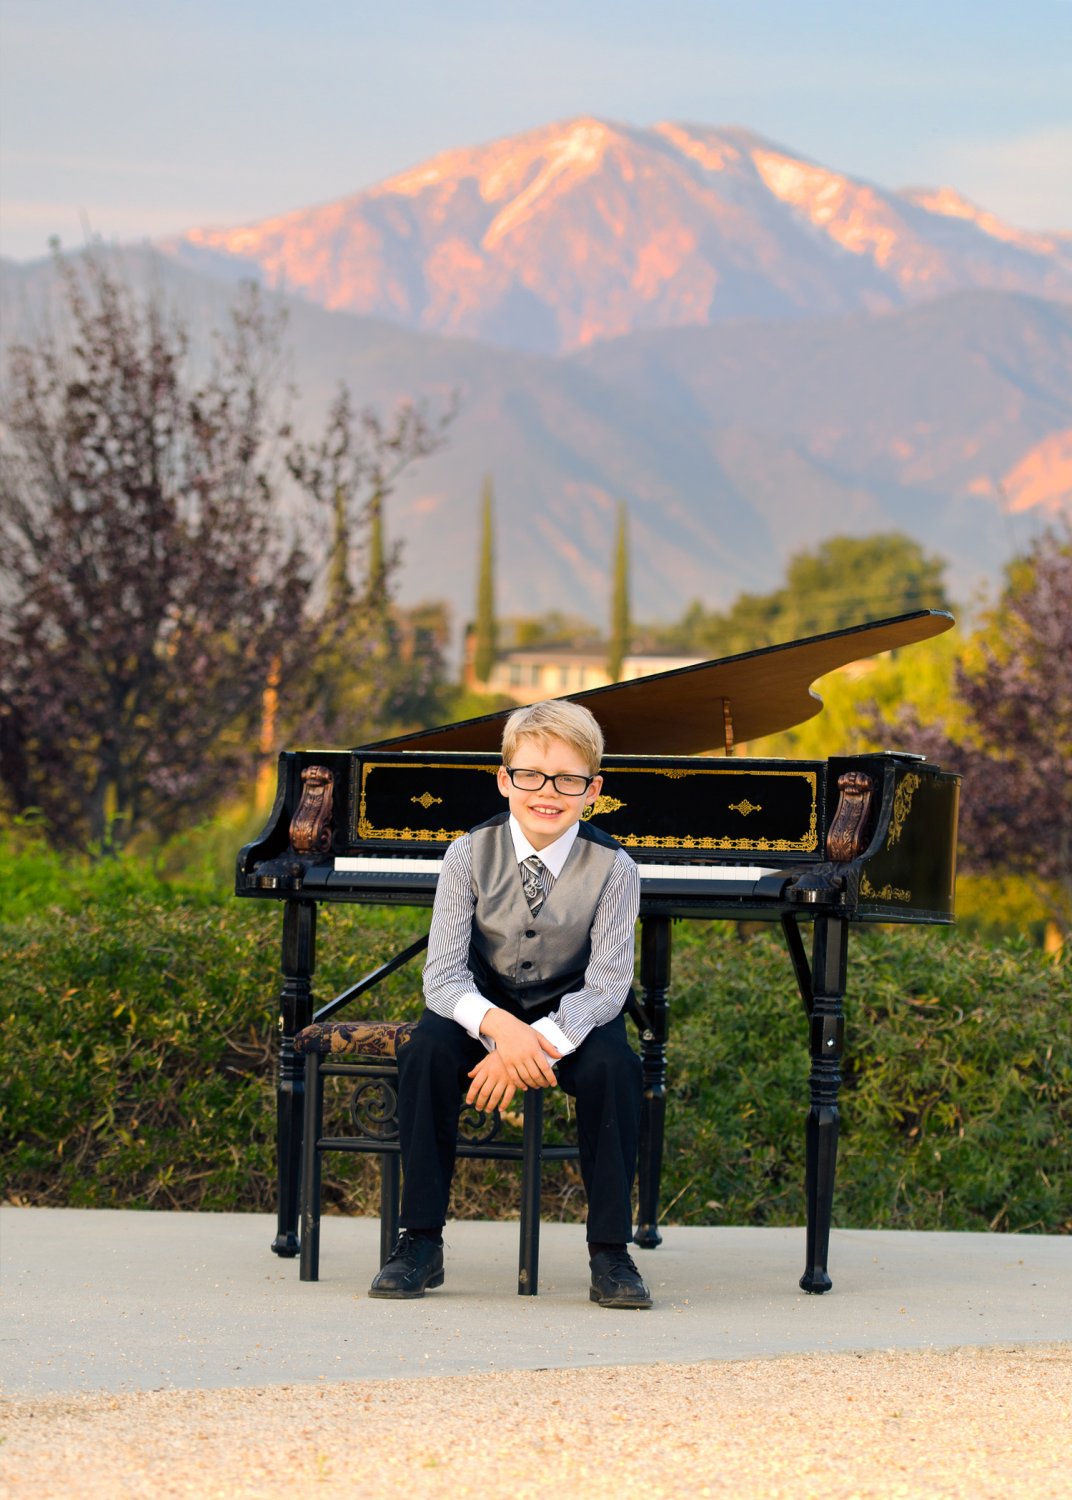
{"x":486,"y":631}
{"x":377,"y":560}
{"x":620,"y":629}
{"x":340,"y":592}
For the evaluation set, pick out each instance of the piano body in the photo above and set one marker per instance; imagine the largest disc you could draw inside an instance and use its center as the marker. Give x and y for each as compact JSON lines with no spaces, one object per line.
{"x":812,"y":845}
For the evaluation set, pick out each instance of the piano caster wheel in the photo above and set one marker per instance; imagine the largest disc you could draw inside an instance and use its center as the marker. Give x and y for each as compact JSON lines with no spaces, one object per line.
{"x":285,"y":1246}
{"x":816,"y":1282}
{"x":647,"y":1237}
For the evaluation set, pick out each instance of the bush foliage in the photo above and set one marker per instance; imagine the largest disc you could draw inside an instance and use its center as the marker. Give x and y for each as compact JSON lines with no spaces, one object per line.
{"x":140,"y":1062}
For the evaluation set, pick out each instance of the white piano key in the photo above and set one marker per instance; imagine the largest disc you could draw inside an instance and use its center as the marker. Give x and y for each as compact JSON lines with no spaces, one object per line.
{"x":402,"y":865}
{"x":384,"y":864}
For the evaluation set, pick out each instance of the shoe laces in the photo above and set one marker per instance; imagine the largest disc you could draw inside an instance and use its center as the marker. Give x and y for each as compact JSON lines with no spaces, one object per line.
{"x":620,"y":1260}
{"x":407,"y":1240}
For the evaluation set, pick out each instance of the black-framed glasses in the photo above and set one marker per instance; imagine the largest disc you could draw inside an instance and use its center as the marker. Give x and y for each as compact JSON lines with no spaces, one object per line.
{"x":566,"y":784}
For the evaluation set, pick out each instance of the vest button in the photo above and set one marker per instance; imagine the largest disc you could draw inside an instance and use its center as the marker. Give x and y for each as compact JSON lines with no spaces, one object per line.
{"x":531,"y":932}
{"x":527,"y":964}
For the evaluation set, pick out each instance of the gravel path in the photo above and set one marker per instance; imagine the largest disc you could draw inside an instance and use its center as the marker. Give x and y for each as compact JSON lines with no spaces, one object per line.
{"x":966,"y":1422}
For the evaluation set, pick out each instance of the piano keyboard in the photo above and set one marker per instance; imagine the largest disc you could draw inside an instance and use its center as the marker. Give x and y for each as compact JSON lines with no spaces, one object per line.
{"x":391,"y":873}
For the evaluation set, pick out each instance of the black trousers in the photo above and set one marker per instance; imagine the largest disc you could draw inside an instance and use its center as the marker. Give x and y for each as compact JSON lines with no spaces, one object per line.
{"x":604,"y":1078}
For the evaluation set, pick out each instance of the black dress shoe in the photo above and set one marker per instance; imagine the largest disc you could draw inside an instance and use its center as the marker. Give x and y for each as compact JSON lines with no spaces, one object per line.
{"x":416,"y":1264}
{"x":616,"y":1282}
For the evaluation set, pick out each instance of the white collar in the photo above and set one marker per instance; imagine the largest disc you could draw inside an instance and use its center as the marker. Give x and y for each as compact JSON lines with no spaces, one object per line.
{"x":554,"y":856}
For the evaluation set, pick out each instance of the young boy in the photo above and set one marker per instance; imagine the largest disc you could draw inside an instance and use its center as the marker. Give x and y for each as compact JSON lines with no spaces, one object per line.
{"x":530,"y":959}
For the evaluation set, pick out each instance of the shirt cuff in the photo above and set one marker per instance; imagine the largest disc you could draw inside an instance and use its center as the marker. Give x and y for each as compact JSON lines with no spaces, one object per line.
{"x":470,"y":1012}
{"x":554,"y":1034}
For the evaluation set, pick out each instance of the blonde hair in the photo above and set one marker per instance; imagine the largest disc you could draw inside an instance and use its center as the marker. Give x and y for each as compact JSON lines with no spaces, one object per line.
{"x":558,"y":720}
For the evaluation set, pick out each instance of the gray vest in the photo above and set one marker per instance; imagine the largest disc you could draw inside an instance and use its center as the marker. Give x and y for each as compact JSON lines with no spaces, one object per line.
{"x":526,"y":963}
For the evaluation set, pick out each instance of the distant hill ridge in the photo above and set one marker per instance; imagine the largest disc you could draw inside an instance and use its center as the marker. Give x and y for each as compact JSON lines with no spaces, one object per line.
{"x":749,"y":350}
{"x":585,"y":230}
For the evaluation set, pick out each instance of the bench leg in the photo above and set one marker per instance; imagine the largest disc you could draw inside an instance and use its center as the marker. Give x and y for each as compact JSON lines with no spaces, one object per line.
{"x":310,"y":1177}
{"x":531,"y":1165}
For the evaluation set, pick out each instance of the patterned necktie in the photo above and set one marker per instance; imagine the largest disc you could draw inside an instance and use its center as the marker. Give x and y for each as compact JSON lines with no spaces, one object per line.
{"x":532,"y":883}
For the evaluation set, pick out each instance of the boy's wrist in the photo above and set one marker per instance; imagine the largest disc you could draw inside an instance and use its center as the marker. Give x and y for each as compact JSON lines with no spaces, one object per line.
{"x":551,"y":1032}
{"x":495,"y":1021}
{"x":471,"y":1013}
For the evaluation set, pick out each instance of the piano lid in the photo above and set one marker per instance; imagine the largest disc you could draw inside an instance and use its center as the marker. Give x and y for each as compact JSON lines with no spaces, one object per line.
{"x":704,"y":709}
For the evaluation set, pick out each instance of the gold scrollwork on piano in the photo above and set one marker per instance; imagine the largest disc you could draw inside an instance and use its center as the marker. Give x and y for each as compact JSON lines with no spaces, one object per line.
{"x":902,"y":806}
{"x":686,"y":841}
{"x":884,"y":893}
{"x":807,"y":843}
{"x":415,"y":835}
{"x":806,"y":829}
{"x":366,"y":829}
{"x":744,"y":807}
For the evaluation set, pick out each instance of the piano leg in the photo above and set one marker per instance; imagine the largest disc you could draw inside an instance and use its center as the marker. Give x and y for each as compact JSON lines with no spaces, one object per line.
{"x":655,"y":944}
{"x":295,"y":1012}
{"x":829,"y":953}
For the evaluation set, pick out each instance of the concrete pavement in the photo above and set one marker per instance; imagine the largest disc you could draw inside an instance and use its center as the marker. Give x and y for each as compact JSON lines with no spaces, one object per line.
{"x":96,"y":1300}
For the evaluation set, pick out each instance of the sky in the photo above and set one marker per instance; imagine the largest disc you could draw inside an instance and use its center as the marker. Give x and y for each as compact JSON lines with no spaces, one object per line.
{"x":129,"y":120}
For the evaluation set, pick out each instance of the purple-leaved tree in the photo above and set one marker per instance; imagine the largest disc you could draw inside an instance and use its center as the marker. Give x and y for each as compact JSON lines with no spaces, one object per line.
{"x":1015,"y":685}
{"x":150,"y":586}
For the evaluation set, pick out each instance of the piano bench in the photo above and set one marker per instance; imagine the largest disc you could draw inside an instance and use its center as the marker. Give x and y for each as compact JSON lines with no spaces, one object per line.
{"x":365,"y":1052}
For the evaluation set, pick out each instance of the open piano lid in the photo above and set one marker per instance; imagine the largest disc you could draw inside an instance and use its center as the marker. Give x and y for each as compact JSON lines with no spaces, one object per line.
{"x":705,"y":708}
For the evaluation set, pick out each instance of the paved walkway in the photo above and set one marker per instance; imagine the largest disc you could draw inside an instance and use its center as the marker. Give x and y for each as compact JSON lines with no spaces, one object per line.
{"x":121,"y":1301}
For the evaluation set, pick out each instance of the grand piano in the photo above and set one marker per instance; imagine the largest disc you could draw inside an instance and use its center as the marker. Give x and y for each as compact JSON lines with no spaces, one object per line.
{"x":815,"y":846}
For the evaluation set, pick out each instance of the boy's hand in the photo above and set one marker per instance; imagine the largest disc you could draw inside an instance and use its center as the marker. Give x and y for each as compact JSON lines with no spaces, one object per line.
{"x":491,"y":1087}
{"x":520,"y":1061}
{"x":525,"y":1054}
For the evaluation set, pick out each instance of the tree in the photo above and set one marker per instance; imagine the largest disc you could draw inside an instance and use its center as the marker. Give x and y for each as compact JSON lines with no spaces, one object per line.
{"x":367,"y":670}
{"x":145,"y":578}
{"x":851,"y":579}
{"x":555,"y":628}
{"x":620,"y":628}
{"x":844,"y":582}
{"x":861,"y":704}
{"x":422,"y":694}
{"x":149,"y":590}
{"x":1014,"y":687}
{"x":485,"y":645}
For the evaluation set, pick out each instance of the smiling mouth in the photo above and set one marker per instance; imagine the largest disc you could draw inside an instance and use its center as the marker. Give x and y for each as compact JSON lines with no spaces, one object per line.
{"x":546,"y":812}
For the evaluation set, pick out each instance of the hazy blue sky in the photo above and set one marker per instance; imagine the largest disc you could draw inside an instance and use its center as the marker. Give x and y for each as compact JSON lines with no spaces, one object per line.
{"x":139,"y":118}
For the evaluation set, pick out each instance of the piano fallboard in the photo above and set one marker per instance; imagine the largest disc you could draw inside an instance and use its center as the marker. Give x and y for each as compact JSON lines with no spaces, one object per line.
{"x":685,"y":805}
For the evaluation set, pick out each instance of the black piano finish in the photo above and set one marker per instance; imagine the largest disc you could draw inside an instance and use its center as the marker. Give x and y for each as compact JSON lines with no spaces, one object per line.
{"x":703,"y":815}
{"x":868,"y":838}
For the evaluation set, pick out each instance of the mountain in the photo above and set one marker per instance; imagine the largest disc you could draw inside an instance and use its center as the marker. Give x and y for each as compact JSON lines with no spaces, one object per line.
{"x":585,"y":230}
{"x":732,"y":446}
{"x":966,"y":399}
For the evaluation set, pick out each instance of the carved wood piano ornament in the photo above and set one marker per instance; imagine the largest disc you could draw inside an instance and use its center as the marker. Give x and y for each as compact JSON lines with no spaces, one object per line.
{"x":807,"y":844}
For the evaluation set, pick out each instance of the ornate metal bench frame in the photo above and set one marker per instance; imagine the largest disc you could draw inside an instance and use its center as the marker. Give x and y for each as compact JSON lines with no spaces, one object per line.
{"x":365,"y":1051}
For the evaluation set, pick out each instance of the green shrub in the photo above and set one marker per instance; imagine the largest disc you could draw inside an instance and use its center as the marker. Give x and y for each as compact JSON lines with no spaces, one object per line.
{"x":37,"y":878}
{"x":139,"y":1063}
{"x":956,"y":1110}
{"x":139,"y":1022}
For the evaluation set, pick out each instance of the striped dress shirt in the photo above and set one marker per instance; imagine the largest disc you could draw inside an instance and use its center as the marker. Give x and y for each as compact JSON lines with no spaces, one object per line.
{"x":449,"y":987}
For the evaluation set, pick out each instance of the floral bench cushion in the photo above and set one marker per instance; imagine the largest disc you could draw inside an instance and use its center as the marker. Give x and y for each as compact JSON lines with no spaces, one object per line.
{"x":354,"y":1038}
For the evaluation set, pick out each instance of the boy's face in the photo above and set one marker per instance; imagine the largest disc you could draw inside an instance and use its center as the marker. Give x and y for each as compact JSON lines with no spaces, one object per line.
{"x":545,"y":815}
